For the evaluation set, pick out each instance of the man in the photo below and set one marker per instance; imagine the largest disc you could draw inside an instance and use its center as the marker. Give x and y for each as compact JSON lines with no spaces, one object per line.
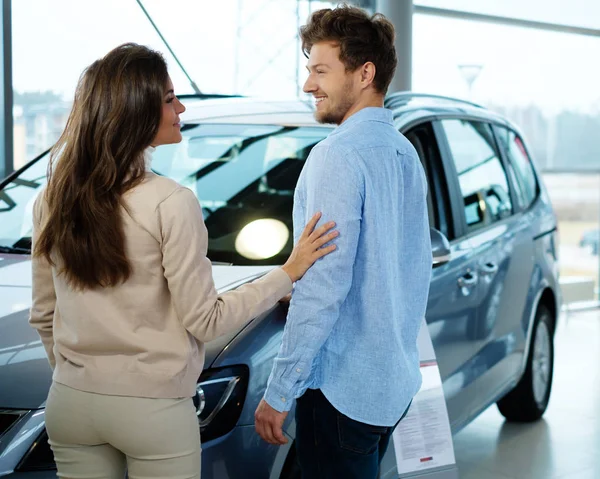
{"x":349,"y":350}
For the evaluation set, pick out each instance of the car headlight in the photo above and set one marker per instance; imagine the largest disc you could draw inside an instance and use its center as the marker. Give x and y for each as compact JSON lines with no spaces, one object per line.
{"x":39,"y":457}
{"x":220,"y":399}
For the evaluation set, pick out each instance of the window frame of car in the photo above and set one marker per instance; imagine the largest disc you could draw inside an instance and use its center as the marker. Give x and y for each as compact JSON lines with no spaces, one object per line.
{"x":440,"y":195}
{"x":458,"y":207}
{"x":511,"y":168}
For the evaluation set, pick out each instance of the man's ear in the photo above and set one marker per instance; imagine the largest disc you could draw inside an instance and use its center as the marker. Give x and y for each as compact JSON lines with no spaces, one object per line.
{"x":367,"y":74}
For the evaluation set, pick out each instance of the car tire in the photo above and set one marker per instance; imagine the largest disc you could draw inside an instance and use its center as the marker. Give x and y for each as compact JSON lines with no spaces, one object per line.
{"x":528,"y":401}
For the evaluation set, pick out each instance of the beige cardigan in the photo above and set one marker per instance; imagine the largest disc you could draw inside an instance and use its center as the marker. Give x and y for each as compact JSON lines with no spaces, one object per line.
{"x":146,"y":336}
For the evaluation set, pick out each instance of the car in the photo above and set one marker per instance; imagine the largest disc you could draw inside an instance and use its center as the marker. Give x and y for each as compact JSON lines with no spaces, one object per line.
{"x":494,"y":298}
{"x":591,"y":239}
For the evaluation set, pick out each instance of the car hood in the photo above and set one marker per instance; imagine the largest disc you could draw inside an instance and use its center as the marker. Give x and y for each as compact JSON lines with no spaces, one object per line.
{"x":25,"y":374}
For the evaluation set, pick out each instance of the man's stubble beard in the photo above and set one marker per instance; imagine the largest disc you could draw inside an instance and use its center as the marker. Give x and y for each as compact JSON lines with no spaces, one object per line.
{"x":336,"y":115}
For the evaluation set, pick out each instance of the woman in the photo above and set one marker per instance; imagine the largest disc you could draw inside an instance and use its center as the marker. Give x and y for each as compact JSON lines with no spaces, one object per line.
{"x":123,"y":295}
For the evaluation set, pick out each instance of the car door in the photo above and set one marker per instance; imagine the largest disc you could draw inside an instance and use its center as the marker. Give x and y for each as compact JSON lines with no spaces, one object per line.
{"x":453,"y":292}
{"x":501,"y":250}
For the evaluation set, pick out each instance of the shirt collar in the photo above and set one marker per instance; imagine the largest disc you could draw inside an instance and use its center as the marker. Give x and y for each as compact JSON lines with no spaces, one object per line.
{"x":370,"y":113}
{"x":148,"y":157}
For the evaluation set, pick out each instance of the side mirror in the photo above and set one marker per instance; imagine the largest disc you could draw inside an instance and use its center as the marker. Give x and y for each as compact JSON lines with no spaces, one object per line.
{"x":440,"y":247}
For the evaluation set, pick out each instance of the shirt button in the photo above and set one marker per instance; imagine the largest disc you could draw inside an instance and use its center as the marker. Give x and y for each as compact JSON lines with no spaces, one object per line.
{"x":298,"y":370}
{"x":282,"y":399}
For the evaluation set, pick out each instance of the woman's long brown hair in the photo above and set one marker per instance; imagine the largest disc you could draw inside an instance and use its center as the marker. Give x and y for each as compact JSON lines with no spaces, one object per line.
{"x":100,"y":156}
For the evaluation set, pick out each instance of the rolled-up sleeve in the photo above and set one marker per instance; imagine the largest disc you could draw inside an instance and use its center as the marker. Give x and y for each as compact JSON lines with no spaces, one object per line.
{"x":333,"y":186}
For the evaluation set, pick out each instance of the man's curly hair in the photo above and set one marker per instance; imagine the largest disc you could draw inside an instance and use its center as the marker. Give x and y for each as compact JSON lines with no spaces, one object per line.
{"x":361,"y":38}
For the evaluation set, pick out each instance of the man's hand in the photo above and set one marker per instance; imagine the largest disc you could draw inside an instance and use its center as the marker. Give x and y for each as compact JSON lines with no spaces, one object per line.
{"x":269,"y":424}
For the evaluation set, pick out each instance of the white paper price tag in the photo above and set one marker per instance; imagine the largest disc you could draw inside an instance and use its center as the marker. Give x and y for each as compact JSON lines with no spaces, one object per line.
{"x":423,"y":439}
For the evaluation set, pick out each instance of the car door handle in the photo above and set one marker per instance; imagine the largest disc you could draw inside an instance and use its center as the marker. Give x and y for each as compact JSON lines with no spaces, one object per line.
{"x":489,"y":268}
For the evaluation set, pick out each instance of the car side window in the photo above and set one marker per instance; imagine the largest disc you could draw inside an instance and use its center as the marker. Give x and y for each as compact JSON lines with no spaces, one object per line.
{"x":423,"y":139}
{"x":519,"y":161}
{"x":482,"y":178}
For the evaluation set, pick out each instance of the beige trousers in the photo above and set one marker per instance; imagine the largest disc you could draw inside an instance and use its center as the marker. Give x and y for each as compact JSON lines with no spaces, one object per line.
{"x":97,"y":436}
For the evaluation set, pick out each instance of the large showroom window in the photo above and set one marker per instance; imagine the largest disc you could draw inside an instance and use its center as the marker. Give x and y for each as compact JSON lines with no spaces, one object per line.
{"x":227,"y":46}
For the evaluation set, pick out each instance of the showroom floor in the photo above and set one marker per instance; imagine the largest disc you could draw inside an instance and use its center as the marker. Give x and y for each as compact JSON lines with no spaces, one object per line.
{"x":566,"y":443}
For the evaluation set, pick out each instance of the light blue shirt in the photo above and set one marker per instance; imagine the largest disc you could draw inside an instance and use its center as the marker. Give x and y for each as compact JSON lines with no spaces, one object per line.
{"x":354,"y":317}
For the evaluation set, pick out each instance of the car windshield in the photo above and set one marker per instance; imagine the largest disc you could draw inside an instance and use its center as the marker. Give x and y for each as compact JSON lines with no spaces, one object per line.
{"x":243,"y":175}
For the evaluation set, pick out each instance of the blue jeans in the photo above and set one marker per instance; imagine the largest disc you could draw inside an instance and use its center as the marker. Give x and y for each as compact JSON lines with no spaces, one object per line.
{"x":330,"y":445}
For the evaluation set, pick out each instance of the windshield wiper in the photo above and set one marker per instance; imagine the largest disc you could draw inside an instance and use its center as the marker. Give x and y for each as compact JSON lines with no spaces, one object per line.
{"x":23,"y":246}
{"x":13,"y":250}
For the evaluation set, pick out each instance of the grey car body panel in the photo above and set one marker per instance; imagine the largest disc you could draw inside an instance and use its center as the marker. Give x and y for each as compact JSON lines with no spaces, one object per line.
{"x":477,"y":366}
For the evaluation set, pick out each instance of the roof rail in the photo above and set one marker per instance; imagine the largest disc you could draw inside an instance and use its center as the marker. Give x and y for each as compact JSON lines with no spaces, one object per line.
{"x":400,"y":98}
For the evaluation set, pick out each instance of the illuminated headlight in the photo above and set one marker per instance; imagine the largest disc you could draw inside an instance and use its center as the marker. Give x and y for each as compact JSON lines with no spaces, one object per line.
{"x":262,"y":239}
{"x":219,"y":400}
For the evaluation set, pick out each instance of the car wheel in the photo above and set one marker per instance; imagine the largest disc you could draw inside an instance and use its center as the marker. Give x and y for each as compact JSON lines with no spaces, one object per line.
{"x":529,"y":399}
